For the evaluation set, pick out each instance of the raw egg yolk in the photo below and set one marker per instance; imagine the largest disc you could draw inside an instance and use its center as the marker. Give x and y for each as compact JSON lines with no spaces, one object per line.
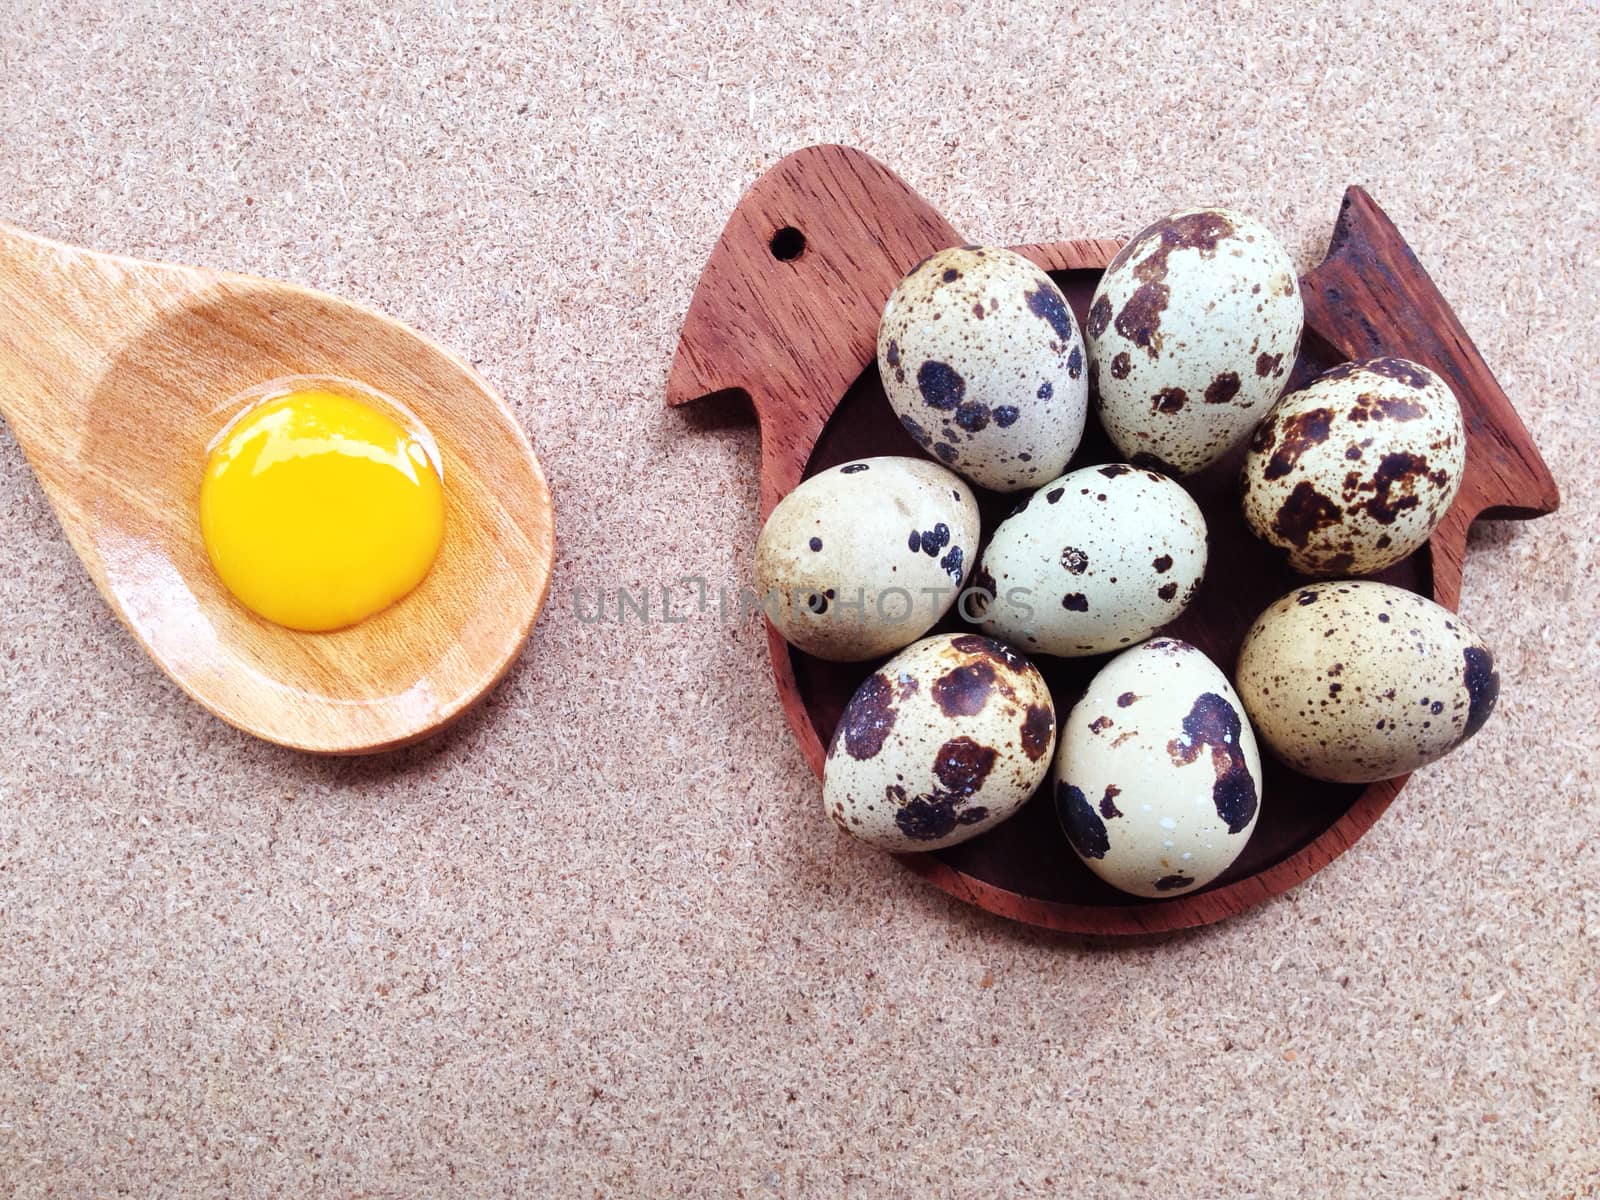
{"x":319,"y":510}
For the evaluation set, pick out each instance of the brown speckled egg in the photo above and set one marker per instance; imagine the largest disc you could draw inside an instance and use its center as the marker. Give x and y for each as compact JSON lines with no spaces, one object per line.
{"x":864,"y":558}
{"x":983,"y":363}
{"x":1192,"y":333}
{"x":1354,"y":472}
{"x":1357,"y":681}
{"x":1094,"y":561}
{"x":945,"y":740}
{"x":1157,"y":778}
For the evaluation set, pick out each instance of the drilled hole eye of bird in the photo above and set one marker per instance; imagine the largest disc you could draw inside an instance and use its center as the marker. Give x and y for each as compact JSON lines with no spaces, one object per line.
{"x":787,"y":244}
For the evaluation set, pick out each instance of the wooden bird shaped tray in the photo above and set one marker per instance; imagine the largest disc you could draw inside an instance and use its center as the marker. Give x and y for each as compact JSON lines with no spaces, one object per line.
{"x":787,"y":311}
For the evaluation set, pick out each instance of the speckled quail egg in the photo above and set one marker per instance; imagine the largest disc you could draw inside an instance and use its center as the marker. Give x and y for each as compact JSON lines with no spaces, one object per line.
{"x":983,"y":363}
{"x":1157,"y":778}
{"x":947,"y":739}
{"x":864,"y":558}
{"x":1358,"y":681}
{"x":1093,"y":561}
{"x":1192,"y":333}
{"x":1354,"y":472}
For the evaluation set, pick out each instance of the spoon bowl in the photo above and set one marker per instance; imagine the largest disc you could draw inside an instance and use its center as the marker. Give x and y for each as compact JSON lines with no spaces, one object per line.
{"x":116,"y":376}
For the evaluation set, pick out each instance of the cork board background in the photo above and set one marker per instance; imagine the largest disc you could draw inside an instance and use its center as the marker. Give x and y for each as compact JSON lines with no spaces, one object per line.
{"x":600,"y":939}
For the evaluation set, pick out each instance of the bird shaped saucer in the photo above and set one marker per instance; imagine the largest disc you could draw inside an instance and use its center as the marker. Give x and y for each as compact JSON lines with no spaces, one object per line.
{"x":787,"y":312}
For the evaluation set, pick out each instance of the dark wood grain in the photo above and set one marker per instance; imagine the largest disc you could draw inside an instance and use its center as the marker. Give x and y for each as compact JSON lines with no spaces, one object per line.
{"x":799,"y":338}
{"x":1371,"y":296}
{"x":794,"y":332}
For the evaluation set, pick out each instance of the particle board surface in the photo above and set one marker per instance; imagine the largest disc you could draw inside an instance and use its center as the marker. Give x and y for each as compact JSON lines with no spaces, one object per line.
{"x":582,"y":943}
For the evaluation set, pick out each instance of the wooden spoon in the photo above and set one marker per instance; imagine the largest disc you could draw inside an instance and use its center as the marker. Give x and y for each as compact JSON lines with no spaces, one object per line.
{"x":114,"y":377}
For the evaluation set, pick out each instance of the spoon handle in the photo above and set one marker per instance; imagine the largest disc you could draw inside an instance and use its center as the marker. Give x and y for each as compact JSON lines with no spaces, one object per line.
{"x":64,"y":312}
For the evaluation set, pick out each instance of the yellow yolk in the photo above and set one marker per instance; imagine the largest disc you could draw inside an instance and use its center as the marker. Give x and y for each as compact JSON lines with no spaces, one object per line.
{"x":319,"y":510}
